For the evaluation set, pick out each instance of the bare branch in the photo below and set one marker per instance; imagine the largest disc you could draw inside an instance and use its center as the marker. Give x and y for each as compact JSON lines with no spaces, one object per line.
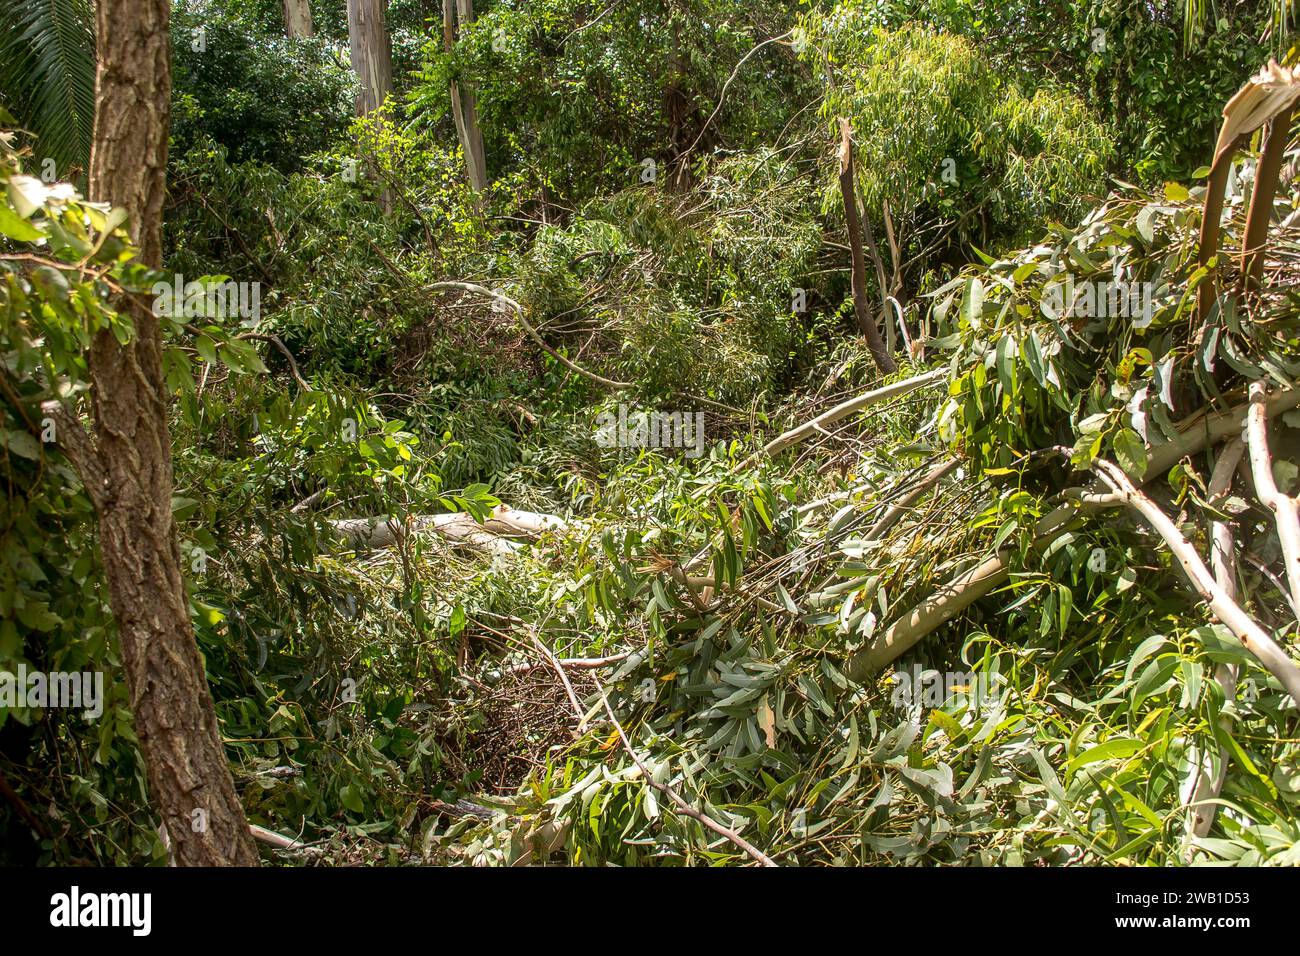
{"x":1228,"y":611}
{"x":845,"y":409}
{"x":1282,"y":505}
{"x":1205,"y":782}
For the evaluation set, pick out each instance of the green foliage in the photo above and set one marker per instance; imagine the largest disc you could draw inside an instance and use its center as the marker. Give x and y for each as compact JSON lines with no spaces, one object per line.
{"x":47,"y":78}
{"x":1090,"y":337}
{"x":694,"y":299}
{"x":259,"y":95}
{"x":1154,"y":72}
{"x":578,"y":97}
{"x":363,"y":693}
{"x":942,"y":135}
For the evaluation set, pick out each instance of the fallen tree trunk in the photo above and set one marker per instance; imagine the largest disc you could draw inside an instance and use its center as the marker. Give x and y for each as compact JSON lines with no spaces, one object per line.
{"x":493,"y":535}
{"x":965,"y":589}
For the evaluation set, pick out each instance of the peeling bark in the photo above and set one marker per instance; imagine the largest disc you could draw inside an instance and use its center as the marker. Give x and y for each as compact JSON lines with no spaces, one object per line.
{"x":297,"y":19}
{"x":371,"y":56}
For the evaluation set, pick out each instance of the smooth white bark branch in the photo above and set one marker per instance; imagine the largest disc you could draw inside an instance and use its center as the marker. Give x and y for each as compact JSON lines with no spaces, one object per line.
{"x":845,"y":409}
{"x":1266,"y":490}
{"x":1228,"y":611}
{"x":960,"y":592}
{"x":1207,"y":782}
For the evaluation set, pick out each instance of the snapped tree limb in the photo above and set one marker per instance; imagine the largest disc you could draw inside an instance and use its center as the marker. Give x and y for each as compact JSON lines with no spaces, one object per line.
{"x":493,"y":535}
{"x":1282,"y":505}
{"x":858,"y":267}
{"x":963,"y":590}
{"x":1228,"y":611}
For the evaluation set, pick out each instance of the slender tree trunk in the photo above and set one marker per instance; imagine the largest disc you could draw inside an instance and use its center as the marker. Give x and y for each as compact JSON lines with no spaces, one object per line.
{"x":886,"y":312}
{"x":128,"y":471}
{"x":372,"y":61}
{"x":464,"y":104}
{"x":297,"y":19}
{"x":457,"y":111}
{"x":372,"y":58}
{"x":858,"y":274}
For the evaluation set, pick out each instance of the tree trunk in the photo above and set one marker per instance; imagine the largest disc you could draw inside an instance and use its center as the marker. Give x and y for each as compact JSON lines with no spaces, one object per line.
{"x":861,"y":310}
{"x":677,"y":109}
{"x":464,"y":105}
{"x":371,"y":57}
{"x":297,"y":19}
{"x":129,"y":472}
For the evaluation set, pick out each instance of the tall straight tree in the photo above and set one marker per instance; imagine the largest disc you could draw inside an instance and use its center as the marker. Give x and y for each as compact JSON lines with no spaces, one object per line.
{"x":127,"y":469}
{"x":297,"y":19}
{"x":372,"y":58}
{"x":464,"y":105}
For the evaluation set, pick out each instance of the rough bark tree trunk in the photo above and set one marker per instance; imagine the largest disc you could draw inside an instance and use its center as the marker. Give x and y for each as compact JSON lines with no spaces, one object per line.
{"x":464,"y":104}
{"x":858,"y":274}
{"x":372,"y":58}
{"x":297,"y":19}
{"x":128,"y":470}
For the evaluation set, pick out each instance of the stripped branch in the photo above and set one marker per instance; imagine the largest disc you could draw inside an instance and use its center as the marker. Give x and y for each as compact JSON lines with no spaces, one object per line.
{"x":1282,"y":505}
{"x":1207,"y":782}
{"x":1222,"y":606}
{"x":845,"y":409}
{"x":554,"y":661}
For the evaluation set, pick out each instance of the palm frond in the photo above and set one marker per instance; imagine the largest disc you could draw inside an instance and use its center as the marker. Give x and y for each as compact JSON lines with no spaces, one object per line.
{"x":47,"y":75}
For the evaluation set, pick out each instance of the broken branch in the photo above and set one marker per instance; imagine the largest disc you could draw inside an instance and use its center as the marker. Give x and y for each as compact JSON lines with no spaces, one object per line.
{"x":1228,"y":611}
